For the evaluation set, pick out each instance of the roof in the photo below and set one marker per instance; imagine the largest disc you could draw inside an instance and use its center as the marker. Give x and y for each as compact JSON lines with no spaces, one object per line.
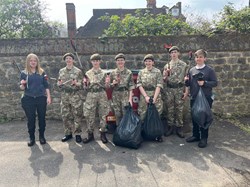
{"x":95,"y":27}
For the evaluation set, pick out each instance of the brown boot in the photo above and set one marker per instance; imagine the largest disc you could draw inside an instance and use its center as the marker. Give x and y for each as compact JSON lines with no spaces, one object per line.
{"x":89,"y":138}
{"x":104,"y":138}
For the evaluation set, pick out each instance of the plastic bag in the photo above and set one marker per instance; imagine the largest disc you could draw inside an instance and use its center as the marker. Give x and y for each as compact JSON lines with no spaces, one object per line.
{"x":201,"y":111}
{"x":128,"y":133}
{"x":152,"y":127}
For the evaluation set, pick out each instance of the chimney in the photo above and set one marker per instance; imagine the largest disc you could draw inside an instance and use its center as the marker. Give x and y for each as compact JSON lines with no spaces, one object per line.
{"x":71,"y":19}
{"x":151,"y":3}
{"x":179,"y":6}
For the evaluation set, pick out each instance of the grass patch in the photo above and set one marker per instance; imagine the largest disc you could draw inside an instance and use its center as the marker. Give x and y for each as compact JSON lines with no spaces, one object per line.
{"x":240,"y":120}
{"x":4,"y":120}
{"x":241,"y":123}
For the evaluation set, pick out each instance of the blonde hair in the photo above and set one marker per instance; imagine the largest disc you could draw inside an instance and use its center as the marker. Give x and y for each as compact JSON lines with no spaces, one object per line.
{"x":38,"y":67}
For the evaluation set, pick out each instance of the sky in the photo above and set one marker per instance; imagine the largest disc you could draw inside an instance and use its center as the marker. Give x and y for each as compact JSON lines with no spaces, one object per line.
{"x":56,"y":9}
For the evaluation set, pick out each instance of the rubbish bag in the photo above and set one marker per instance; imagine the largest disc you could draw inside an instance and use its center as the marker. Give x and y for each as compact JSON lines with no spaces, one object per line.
{"x":128,"y":132}
{"x":201,"y":111}
{"x":152,"y":127}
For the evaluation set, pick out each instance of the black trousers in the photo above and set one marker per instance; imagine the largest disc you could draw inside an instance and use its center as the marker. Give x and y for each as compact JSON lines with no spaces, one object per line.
{"x":198,"y":131}
{"x":31,"y":106}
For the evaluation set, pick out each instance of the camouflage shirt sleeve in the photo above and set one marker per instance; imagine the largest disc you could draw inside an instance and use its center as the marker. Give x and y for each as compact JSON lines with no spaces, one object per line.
{"x":112,"y":76}
{"x":159,"y":78}
{"x":139,"y":80}
{"x":131,"y":84}
{"x":79,"y":77}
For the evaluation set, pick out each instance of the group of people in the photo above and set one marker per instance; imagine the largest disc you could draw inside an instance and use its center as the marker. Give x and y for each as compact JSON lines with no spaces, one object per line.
{"x":168,"y":89}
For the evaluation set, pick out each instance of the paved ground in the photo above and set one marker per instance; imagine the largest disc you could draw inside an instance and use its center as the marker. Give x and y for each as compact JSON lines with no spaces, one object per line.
{"x":225,"y":162}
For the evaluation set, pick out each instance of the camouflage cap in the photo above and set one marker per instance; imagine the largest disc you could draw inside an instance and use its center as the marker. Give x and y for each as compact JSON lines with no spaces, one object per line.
{"x":95,"y":56}
{"x":68,"y":54}
{"x":120,"y":55}
{"x":174,"y":48}
{"x":149,"y":56}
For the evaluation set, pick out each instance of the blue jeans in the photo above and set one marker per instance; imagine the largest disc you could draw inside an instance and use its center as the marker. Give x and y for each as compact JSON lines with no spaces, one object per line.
{"x":31,"y":106}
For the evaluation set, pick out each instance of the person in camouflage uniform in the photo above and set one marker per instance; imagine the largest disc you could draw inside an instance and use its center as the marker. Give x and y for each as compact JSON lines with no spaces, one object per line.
{"x":176,"y":92}
{"x":69,"y":83}
{"x":96,"y":99}
{"x":122,"y":83}
{"x":150,"y":83}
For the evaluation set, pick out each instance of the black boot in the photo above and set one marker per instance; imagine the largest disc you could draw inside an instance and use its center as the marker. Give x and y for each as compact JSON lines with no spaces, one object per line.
{"x":78,"y":138}
{"x":32,"y":140}
{"x":170,"y":131}
{"x":159,"y":139}
{"x":202,"y":143}
{"x":66,"y":138}
{"x":192,"y":139}
{"x":41,"y":138}
{"x":179,"y":132}
{"x":104,"y":138}
{"x":89,"y":138}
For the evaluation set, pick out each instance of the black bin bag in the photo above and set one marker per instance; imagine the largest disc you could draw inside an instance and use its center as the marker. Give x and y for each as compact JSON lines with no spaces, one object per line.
{"x":201,"y":111}
{"x":128,"y":133}
{"x":152,"y":126}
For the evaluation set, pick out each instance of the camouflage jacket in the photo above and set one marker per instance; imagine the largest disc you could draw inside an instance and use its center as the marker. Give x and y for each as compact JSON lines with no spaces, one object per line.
{"x":96,"y":78}
{"x":177,"y":71}
{"x":150,"y":79}
{"x":124,"y":78}
{"x":66,"y":74}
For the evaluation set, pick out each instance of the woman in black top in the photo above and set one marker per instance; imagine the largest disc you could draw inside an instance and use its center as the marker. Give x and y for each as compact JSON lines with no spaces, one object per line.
{"x":204,"y":77}
{"x":36,"y":97}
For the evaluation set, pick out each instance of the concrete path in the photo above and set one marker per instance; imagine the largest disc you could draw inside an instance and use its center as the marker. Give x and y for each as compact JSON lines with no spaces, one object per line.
{"x":225,"y":162}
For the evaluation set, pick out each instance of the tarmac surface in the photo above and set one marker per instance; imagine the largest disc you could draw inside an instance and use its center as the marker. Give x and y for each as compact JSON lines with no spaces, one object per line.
{"x":224,"y":162}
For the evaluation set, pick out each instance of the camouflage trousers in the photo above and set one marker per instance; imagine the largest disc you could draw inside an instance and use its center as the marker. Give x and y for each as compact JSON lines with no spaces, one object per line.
{"x":71,"y":111}
{"x":96,"y":101}
{"x":175,"y":106}
{"x":120,"y":99}
{"x":143,"y":105}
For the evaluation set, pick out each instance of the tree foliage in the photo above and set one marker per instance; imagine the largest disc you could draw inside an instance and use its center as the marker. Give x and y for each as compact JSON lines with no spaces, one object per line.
{"x":201,"y":24}
{"x":233,"y":20}
{"x":145,"y":24}
{"x":24,"y":19}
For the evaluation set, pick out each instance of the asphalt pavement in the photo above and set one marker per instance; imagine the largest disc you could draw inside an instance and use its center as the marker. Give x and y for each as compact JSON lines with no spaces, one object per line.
{"x":224,"y":162}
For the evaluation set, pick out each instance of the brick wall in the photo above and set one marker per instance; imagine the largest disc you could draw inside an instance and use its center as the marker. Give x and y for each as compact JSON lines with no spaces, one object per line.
{"x":229,"y":55}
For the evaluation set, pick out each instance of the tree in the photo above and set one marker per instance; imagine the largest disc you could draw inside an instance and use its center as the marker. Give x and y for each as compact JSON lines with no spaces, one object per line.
{"x":23,"y":19}
{"x":233,"y":20}
{"x":145,"y":24}
{"x":201,"y":24}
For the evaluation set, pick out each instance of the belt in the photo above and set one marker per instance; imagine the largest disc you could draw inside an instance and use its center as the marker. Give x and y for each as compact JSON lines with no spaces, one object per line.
{"x":175,"y":85}
{"x":95,"y":90}
{"x":34,"y":97}
{"x":70,"y":91}
{"x":149,"y":89}
{"x":121,"y":89}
